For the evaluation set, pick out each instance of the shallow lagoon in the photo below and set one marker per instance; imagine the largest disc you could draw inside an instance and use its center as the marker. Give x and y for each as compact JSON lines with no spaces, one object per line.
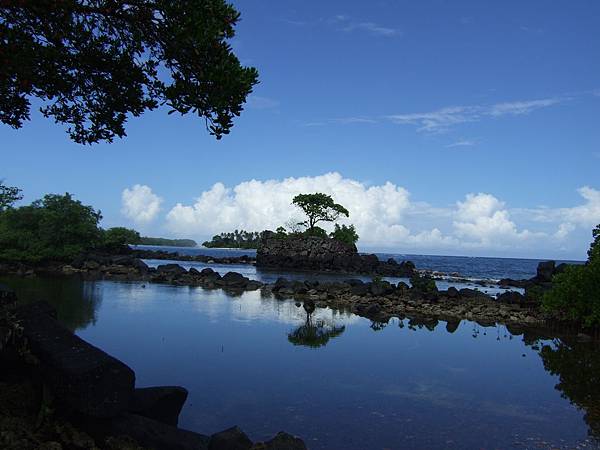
{"x":352,"y":385}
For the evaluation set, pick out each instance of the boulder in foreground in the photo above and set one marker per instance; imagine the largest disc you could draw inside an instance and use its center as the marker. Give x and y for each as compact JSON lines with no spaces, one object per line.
{"x":82,"y":377}
{"x":162,"y":403}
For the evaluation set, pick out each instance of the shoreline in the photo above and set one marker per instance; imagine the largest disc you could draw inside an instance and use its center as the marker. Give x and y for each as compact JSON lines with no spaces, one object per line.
{"x":378,"y":301}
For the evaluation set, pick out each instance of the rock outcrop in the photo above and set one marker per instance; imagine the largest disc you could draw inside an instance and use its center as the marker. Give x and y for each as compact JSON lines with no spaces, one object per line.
{"x":97,"y":391}
{"x":83,"y":378}
{"x":323,"y":254}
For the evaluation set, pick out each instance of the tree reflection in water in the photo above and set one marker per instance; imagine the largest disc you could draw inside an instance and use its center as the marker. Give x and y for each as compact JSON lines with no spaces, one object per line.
{"x":314,"y":333}
{"x":76,"y":301}
{"x":577,"y":365}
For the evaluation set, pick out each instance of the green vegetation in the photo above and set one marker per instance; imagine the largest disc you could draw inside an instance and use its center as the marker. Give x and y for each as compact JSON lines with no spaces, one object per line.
{"x":93,"y":64}
{"x":59,"y":228}
{"x":318,"y":207}
{"x":594,"y":250}
{"x":423,"y":283}
{"x":237,"y":239}
{"x":575,"y":292}
{"x":119,"y":236}
{"x":168,"y":242}
{"x":8,"y":196}
{"x":344,"y":234}
{"x":55,"y":227}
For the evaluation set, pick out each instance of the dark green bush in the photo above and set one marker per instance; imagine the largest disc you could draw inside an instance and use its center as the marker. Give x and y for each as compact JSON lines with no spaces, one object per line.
{"x":345,"y":234}
{"x":575,"y":292}
{"x":119,"y":236}
{"x":423,"y":283}
{"x":316,"y":231}
{"x":55,"y":227}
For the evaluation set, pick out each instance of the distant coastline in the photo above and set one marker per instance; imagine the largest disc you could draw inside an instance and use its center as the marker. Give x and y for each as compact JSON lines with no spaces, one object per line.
{"x":163,"y":242}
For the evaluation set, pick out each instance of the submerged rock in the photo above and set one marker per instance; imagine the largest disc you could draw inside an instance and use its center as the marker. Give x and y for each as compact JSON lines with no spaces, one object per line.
{"x":162,"y":403}
{"x":147,"y":432}
{"x":231,"y":439}
{"x":282,"y":441}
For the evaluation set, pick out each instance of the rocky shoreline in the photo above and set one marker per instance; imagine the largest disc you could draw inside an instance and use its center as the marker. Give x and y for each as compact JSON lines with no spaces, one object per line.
{"x":91,"y":393}
{"x":377,"y":300}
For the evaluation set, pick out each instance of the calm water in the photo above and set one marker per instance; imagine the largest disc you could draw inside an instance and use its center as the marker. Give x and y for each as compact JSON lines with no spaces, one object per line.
{"x":339,"y":381}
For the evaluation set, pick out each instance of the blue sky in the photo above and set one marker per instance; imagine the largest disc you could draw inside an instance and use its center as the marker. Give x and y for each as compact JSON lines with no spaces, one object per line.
{"x":482,"y":116}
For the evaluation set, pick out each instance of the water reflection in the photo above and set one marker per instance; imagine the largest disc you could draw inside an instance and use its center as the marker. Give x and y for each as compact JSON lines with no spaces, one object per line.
{"x":315,"y":333}
{"x":76,"y":301}
{"x":426,"y":385}
{"x":577,"y":366}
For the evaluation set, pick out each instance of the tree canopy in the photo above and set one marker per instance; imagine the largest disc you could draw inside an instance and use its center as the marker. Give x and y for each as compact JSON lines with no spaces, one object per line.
{"x":345,"y":234}
{"x":93,"y":63}
{"x":594,"y":250}
{"x":575,"y":291}
{"x":8,"y":196}
{"x":318,"y":207}
{"x":236,"y":239}
{"x":119,"y":236}
{"x":55,"y":227}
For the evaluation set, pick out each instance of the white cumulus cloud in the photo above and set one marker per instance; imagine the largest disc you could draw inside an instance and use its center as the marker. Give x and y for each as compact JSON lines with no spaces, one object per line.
{"x":588,"y":214}
{"x":482,"y":220}
{"x":140,"y":204}
{"x":376,"y":211}
{"x":384,"y":216}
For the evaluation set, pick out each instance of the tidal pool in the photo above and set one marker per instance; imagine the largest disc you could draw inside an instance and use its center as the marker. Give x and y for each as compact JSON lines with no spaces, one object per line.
{"x":337,"y":380}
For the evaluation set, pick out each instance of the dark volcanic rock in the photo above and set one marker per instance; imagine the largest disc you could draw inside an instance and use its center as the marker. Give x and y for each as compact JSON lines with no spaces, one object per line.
{"x":515,"y":283}
{"x":469,"y":293}
{"x":147,"y":432}
{"x":139,"y":265}
{"x":82,"y":377}
{"x":282,"y":441}
{"x":402,"y":287}
{"x":511,"y":297}
{"x":360,"y":289}
{"x":162,"y":403}
{"x":324,"y":254}
{"x":299,"y":287}
{"x":234,"y":280}
{"x":281,"y":283}
{"x":545,"y":271}
{"x":170,"y":269}
{"x":452,"y":292}
{"x":253,"y":285}
{"x":372,"y":310}
{"x":452,"y":325}
{"x":381,"y":288}
{"x":231,"y":439}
